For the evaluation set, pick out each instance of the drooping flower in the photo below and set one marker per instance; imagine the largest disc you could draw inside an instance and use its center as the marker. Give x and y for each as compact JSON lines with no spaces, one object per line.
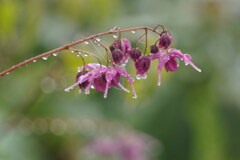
{"x":135,"y":54}
{"x":169,"y":61}
{"x":124,"y":46}
{"x":142,"y":66}
{"x":102,"y":78}
{"x":165,"y":41}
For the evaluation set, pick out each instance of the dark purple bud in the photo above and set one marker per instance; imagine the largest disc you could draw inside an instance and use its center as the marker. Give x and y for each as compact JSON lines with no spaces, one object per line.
{"x":84,"y":84}
{"x":171,"y":65}
{"x":135,"y":54}
{"x":100,"y":83}
{"x":117,"y":44}
{"x":165,"y":41}
{"x":142,"y":65}
{"x":153,"y":49}
{"x":117,"y":56}
{"x":111,"y":48}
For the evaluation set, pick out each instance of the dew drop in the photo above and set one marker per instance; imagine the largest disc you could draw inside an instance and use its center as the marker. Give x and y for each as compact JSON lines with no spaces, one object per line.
{"x":98,"y":39}
{"x":186,"y":63}
{"x":92,"y":86}
{"x":135,"y":96}
{"x":44,"y":58}
{"x":8,"y":73}
{"x":141,"y":77}
{"x":85,"y":54}
{"x":133,"y":31}
{"x":55,"y":54}
{"x":115,"y":36}
{"x":72,"y":51}
{"x":86,"y":42}
{"x":66,"y":90}
{"x":34,"y":61}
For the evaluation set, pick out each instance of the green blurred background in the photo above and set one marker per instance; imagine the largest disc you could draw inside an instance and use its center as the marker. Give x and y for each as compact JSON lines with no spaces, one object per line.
{"x":194,"y":116}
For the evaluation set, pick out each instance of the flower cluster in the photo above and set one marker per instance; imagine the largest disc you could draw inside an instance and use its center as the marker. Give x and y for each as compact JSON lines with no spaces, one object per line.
{"x":102,"y":77}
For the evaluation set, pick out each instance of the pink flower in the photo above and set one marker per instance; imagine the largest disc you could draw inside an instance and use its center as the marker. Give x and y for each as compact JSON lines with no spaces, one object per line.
{"x":123,"y":47}
{"x":101,"y":78}
{"x":169,"y":61}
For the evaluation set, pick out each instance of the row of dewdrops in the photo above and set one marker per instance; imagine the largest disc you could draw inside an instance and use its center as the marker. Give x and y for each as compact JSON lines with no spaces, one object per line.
{"x":115,"y":36}
{"x":64,"y":126}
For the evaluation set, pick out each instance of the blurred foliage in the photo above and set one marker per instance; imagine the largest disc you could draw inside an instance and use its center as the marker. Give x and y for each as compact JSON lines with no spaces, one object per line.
{"x":194,"y":115}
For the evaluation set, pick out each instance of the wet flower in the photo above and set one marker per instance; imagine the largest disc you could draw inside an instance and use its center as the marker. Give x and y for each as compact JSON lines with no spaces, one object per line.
{"x":165,"y":41}
{"x":142,"y":66}
{"x":102,"y":78}
{"x":135,"y":54}
{"x":124,"y":46}
{"x":169,"y":61}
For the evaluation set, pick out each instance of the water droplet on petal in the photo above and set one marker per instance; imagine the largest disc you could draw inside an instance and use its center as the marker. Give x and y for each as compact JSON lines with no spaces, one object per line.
{"x":86,"y":42}
{"x":133,"y":31}
{"x":44,"y":58}
{"x":92,"y":86}
{"x":66,"y":90}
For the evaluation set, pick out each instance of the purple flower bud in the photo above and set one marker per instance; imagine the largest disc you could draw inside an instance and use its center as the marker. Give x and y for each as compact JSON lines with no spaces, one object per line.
{"x":111,"y":48}
{"x":165,"y":41}
{"x":117,"y":44}
{"x":142,"y":65}
{"x":135,"y":54}
{"x":153,"y":49}
{"x":171,"y":65}
{"x":117,"y":56}
{"x":84,"y":84}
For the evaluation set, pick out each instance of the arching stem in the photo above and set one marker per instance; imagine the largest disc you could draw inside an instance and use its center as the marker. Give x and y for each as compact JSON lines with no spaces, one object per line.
{"x":64,"y":47}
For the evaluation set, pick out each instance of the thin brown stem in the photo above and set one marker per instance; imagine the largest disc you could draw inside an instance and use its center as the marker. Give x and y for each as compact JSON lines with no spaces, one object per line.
{"x":73,"y":44}
{"x":135,"y":45}
{"x":88,"y":53}
{"x":146,"y":41}
{"x":106,"y":49}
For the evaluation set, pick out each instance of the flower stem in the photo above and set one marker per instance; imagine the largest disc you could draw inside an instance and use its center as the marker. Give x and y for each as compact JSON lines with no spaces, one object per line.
{"x":67,"y":46}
